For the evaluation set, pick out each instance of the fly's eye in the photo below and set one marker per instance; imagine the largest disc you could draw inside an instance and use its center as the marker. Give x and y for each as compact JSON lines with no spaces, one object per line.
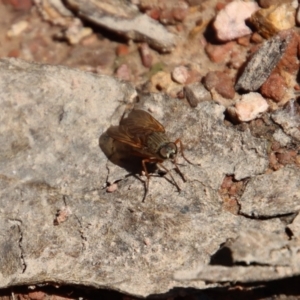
{"x":168,"y":151}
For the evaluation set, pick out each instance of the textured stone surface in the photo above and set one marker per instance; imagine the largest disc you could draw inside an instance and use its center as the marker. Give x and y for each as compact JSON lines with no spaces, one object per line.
{"x":125,"y":20}
{"x":263,"y":256}
{"x":289,"y":118}
{"x":262,"y":62}
{"x":267,"y":195}
{"x":230,"y":22}
{"x":56,"y":217}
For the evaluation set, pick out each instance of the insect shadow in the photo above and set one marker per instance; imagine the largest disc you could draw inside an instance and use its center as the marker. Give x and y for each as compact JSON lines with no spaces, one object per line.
{"x":140,"y":143}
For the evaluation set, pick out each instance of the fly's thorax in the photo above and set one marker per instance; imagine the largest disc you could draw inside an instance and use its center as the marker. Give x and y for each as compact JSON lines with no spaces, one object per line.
{"x":159,"y":144}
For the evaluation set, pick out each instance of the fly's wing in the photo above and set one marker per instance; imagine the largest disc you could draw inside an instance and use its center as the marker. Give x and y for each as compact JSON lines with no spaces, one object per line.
{"x":120,"y":134}
{"x":139,"y":124}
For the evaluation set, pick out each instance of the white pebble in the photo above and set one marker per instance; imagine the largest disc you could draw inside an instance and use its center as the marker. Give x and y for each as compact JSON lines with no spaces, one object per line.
{"x":230,"y":21}
{"x":250,"y":107}
{"x":180,"y":74}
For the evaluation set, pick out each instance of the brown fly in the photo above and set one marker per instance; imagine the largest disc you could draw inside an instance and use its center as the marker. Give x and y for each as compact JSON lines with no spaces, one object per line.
{"x":148,"y":140}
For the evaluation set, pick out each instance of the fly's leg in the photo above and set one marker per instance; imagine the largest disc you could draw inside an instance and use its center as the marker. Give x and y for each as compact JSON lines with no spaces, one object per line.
{"x":181,"y":150}
{"x":144,"y":161}
{"x":168,"y":171}
{"x":159,"y":162}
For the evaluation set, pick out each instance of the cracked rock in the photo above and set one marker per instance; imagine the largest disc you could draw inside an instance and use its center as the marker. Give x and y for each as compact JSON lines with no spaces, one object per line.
{"x":268,"y":256}
{"x":289,"y":119}
{"x":267,"y":195}
{"x":51,"y":122}
{"x":124,"y":19}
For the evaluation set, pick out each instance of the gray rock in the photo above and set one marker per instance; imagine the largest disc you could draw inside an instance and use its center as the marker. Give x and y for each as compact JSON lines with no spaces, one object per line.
{"x":272,"y":194}
{"x":289,"y":119}
{"x":262,"y":63}
{"x":124,"y":19}
{"x":282,"y":138}
{"x":267,"y":256}
{"x":56,"y":218}
{"x":196,"y":93}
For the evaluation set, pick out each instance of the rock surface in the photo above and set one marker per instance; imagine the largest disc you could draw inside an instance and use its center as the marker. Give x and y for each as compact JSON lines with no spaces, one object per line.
{"x":125,"y":20}
{"x":57,"y":218}
{"x":274,"y":255}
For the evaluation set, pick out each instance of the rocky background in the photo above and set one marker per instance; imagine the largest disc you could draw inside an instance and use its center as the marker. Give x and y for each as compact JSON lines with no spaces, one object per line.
{"x":220,"y":75}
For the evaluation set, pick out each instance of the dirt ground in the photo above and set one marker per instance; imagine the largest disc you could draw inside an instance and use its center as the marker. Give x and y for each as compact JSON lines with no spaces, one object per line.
{"x":104,"y":53}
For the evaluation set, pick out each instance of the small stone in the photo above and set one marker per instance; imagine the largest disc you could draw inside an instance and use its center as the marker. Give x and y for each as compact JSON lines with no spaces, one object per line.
{"x":162,"y":81}
{"x":122,"y":50}
{"x":20,"y":4}
{"x":282,"y":138}
{"x":180,"y":74}
{"x":146,"y":55}
{"x":268,"y":3}
{"x":36,"y":295}
{"x":196,"y":93}
{"x":262,"y":62}
{"x":219,"y":53}
{"x":250,"y":107}
{"x":289,"y":61}
{"x":176,"y":12}
{"x":244,"y":40}
{"x":180,"y":11}
{"x":221,"y":82}
{"x":298,"y":16}
{"x":112,"y":188}
{"x":14,"y":53}
{"x":256,"y":38}
{"x":17,"y":29}
{"x":123,"y":72}
{"x":273,"y":161}
{"x":230,"y":22}
{"x":274,"y":87}
{"x":284,"y":158}
{"x":77,"y":32}
{"x":62,"y":215}
{"x":269,"y":21}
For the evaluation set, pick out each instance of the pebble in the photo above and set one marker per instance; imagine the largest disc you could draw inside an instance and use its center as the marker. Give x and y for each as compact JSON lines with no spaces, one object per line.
{"x":219,"y":53}
{"x":270,"y":21}
{"x":112,"y":188}
{"x":221,"y":82}
{"x":17,"y":29}
{"x":180,"y":74}
{"x":36,"y":295}
{"x":162,"y":81}
{"x":196,"y":93}
{"x":244,"y":40}
{"x":256,"y":38}
{"x":146,"y":55}
{"x":274,"y":87}
{"x":20,"y":4}
{"x":250,"y":107}
{"x":123,"y":72}
{"x":122,"y":50}
{"x":282,"y":138}
{"x":289,"y":62}
{"x":176,"y":12}
{"x":268,"y":3}
{"x":298,"y":16}
{"x":230,"y":21}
